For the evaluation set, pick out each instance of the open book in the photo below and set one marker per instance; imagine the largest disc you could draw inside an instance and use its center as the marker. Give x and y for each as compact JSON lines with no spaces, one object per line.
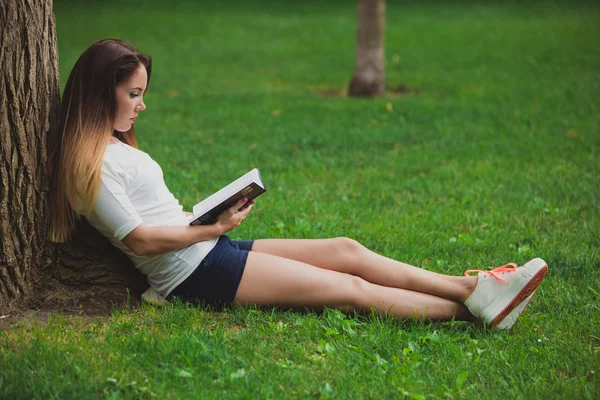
{"x":207,"y":211}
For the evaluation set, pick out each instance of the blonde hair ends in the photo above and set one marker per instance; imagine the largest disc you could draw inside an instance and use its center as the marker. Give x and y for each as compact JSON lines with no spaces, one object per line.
{"x":84,"y":129}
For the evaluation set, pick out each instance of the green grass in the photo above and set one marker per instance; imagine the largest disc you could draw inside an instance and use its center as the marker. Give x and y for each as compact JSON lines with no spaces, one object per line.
{"x":493,"y":159}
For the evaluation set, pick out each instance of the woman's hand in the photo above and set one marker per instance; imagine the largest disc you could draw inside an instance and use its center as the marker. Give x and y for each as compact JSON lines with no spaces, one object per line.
{"x":234,"y":216}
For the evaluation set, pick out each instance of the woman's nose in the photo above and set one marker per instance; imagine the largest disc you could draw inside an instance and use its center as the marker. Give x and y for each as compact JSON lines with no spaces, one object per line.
{"x":141,"y":106}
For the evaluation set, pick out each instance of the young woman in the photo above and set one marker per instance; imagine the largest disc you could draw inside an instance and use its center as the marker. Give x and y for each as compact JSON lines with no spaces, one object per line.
{"x":97,"y":172}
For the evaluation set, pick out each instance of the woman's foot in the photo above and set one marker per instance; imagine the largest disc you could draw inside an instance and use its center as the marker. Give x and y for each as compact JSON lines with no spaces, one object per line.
{"x":151,"y":296}
{"x":501,"y":295}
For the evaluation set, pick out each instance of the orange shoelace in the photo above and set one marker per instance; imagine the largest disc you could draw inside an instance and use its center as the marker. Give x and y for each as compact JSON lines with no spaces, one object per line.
{"x":510,"y":267}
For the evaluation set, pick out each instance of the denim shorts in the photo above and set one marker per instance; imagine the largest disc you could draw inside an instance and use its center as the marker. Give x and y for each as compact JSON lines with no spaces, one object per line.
{"x":215,"y":281}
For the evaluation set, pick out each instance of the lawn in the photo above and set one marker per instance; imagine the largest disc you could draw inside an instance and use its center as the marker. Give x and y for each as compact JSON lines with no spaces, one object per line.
{"x":492,"y":157}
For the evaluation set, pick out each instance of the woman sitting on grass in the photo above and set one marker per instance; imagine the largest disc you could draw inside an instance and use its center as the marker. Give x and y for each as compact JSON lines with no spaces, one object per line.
{"x":97,"y":172}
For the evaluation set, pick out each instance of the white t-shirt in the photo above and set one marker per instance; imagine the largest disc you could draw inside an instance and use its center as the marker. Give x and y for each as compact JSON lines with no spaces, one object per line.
{"x":133,"y":192}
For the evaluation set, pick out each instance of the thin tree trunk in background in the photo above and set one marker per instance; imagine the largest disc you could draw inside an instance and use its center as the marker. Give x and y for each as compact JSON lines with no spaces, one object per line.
{"x":369,"y":75}
{"x":29,"y":97}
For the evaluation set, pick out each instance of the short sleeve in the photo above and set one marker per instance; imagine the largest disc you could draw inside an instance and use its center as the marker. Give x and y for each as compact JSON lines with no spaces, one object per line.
{"x":113,"y":209}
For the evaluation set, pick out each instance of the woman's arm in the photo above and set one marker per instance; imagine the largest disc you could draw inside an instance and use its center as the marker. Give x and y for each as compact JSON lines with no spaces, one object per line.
{"x":150,"y":240}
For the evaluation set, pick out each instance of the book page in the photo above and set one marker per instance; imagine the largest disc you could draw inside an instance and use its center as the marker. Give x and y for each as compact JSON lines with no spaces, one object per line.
{"x":217,"y":198}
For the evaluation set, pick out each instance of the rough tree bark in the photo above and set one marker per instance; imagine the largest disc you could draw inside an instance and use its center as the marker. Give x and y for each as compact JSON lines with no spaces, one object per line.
{"x":32,"y":270}
{"x":29,"y":94}
{"x":369,"y":75}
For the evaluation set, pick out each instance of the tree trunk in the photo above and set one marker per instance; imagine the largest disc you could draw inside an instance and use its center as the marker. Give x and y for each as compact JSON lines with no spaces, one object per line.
{"x":89,"y":274}
{"x":369,"y":75}
{"x":29,"y":95}
{"x":32,"y":269}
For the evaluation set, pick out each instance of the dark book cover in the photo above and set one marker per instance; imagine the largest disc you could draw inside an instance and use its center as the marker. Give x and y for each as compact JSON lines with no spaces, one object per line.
{"x":210,"y":217}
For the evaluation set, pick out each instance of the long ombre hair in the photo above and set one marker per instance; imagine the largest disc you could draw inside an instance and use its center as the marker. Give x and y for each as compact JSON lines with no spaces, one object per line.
{"x":84,"y":128}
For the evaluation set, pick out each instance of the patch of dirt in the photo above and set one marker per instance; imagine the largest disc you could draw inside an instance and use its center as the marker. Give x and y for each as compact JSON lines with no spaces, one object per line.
{"x":400,"y":90}
{"x":84,"y":303}
{"x":332,"y":92}
{"x":390,"y":92}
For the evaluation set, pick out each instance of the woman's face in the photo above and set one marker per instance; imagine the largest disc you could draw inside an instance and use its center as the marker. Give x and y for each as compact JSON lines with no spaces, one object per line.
{"x":130,"y":99}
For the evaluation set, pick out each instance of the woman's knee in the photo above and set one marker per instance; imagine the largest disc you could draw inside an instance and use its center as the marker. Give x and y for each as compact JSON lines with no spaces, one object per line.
{"x":351,"y":251}
{"x":357,"y":292}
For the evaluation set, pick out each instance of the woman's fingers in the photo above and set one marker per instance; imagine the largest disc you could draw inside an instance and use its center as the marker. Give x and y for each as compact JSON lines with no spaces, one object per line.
{"x":236,"y":207}
{"x":239,"y":204}
{"x":244,"y":211}
{"x":235,"y":215}
{"x":247,"y":205}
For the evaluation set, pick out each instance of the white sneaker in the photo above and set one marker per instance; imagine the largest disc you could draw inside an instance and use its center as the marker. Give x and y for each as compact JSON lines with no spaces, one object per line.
{"x":511,"y":318}
{"x":503,"y":293}
{"x":153,"y":297}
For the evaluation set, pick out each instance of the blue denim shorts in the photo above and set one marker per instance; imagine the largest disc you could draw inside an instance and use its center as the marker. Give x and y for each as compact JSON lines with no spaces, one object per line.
{"x":215,"y":281}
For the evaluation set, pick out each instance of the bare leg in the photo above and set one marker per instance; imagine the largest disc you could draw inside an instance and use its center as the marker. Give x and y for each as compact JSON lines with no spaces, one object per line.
{"x":348,"y":256}
{"x":276,"y":281}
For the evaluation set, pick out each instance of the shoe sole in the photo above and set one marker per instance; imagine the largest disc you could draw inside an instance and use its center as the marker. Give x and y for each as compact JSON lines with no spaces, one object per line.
{"x":528,"y":290}
{"x":511,"y":318}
